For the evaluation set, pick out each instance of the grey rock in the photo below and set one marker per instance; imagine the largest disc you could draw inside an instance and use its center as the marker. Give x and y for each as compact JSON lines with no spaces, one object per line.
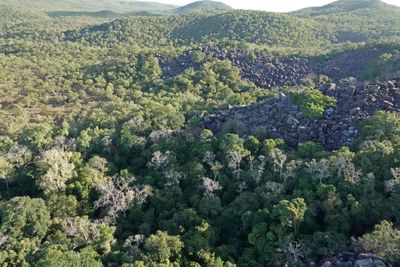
{"x":355,"y":110}
{"x":391,"y":84}
{"x":327,"y":264}
{"x":283,"y":97}
{"x":292,"y":120}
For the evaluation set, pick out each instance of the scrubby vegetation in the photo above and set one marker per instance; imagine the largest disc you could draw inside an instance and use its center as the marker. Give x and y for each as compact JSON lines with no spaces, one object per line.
{"x":387,"y":64}
{"x":312,"y":102}
{"x":103,"y":162}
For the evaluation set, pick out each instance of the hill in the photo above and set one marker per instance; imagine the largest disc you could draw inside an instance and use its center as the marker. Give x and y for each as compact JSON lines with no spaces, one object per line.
{"x":92,"y":5}
{"x":99,"y":14}
{"x":139,"y":30}
{"x":204,"y":7}
{"x":341,"y":6}
{"x":356,"y":21}
{"x":324,"y":27}
{"x":242,"y":26}
{"x":251,"y":27}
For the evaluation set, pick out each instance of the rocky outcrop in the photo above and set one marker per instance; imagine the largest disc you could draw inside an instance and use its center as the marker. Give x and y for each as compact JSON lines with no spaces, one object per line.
{"x":263,"y":70}
{"x":278,"y":117}
{"x":270,"y":71}
{"x":349,"y":64}
{"x":350,"y":259}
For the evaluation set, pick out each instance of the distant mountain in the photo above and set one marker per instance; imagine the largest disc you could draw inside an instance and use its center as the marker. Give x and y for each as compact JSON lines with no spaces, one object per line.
{"x":204,"y":7}
{"x":355,"y":20}
{"x":92,"y":5}
{"x":100,"y":14}
{"x":346,"y":6}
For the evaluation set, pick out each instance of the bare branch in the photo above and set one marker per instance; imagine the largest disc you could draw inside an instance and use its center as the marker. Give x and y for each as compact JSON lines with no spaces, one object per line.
{"x":209,"y":186}
{"x":118,"y":196}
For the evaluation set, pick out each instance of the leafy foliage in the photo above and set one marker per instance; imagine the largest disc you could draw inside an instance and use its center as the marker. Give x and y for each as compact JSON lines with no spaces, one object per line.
{"x":312,"y":102}
{"x":384,"y":240}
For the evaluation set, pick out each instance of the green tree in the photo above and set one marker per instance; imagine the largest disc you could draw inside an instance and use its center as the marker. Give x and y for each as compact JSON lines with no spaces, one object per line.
{"x":382,"y":126}
{"x":56,"y":169}
{"x":384,"y":241}
{"x":148,"y":70}
{"x":290,"y":212}
{"x":24,"y":217}
{"x":5,"y":169}
{"x":163,"y":248}
{"x":37,"y":136}
{"x":54,"y":257}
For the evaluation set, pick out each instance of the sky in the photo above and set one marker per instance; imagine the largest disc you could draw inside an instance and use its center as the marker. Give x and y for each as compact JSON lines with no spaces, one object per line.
{"x":268,"y":5}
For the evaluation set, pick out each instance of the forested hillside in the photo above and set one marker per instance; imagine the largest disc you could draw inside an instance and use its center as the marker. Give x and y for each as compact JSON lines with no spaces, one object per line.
{"x":359,"y":21}
{"x":140,"y":134}
{"x":204,"y":7}
{"x":337,"y":24}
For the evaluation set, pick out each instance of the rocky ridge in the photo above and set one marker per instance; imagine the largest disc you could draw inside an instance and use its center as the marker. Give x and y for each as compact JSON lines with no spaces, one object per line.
{"x":350,"y":64}
{"x":278,"y":117}
{"x":264,"y":71}
{"x":268,"y":71}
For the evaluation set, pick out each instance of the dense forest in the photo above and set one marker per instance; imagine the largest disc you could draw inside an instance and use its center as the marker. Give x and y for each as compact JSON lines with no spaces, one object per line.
{"x":140,"y":134}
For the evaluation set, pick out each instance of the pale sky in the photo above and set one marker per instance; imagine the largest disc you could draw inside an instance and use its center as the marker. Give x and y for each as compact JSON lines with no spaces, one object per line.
{"x":268,"y":5}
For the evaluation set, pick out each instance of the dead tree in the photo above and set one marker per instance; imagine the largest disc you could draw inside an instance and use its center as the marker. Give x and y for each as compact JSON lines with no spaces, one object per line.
{"x":117,"y":196}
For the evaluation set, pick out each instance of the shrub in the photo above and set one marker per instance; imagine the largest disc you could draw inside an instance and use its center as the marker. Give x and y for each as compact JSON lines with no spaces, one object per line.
{"x":384,"y":241}
{"x":312,"y":102}
{"x":310,"y":149}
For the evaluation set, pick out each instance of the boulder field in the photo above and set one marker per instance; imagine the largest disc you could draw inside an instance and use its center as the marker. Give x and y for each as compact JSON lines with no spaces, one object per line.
{"x":278,"y":117}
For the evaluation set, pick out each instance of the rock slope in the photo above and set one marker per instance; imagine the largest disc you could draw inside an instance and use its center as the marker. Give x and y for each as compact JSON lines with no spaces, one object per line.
{"x":264,"y":71}
{"x":278,"y":117}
